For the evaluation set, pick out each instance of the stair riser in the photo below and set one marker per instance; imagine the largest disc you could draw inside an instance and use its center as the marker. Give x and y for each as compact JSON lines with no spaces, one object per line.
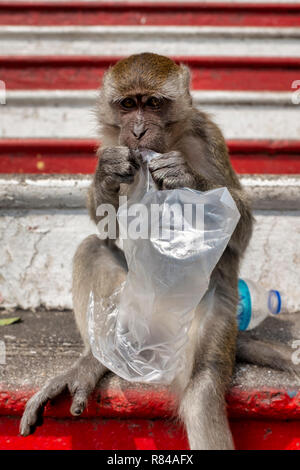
{"x":18,"y":156}
{"x":208,"y":73}
{"x":38,"y":245}
{"x":139,"y":434}
{"x":157,"y":13}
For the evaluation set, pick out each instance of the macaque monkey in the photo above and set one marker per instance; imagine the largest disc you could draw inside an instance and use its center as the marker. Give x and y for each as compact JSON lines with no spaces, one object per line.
{"x":145,"y":102}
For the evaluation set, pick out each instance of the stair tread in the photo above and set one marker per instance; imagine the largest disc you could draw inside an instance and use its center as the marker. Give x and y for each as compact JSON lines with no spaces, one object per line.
{"x":46,"y":343}
{"x":31,"y":191}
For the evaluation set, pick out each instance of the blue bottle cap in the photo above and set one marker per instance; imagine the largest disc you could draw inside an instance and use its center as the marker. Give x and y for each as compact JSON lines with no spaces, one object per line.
{"x":274,"y":301}
{"x":244,"y":306}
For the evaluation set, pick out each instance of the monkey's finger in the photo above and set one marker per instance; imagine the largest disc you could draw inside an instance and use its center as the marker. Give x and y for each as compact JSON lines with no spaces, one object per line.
{"x":124,"y":169}
{"x":163,"y":173}
{"x":79,"y":402}
{"x":123,"y":178}
{"x":135,"y":158}
{"x":118,"y":178}
{"x":164,"y":162}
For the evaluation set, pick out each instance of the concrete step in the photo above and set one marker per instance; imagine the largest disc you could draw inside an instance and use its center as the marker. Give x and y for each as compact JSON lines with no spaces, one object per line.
{"x":43,"y":219}
{"x":263,"y":405}
{"x":71,"y":114}
{"x":235,"y":41}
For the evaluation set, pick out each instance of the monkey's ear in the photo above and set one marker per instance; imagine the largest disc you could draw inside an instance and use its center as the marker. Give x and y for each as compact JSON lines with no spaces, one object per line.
{"x":186,"y":76}
{"x":108,"y":90}
{"x":185,"y":82}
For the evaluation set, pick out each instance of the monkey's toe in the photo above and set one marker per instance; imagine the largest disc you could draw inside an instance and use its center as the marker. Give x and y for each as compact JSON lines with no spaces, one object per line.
{"x":79,"y":402}
{"x":26,"y":429}
{"x":32,"y":417}
{"x":77,"y":410}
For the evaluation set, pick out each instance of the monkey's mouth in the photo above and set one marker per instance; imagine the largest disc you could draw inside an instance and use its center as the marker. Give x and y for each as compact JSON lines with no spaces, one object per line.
{"x":154,"y":144}
{"x":154,"y":148}
{"x":150,"y":140}
{"x":146,"y":145}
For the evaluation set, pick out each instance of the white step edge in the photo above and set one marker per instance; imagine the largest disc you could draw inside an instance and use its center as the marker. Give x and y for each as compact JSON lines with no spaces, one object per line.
{"x":244,"y":121}
{"x":266,"y":192}
{"x":88,"y":97}
{"x":189,"y":31}
{"x":71,"y":114}
{"x":168,"y":40}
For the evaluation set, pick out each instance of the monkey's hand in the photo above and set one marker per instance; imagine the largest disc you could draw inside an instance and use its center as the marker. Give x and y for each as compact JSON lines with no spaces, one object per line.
{"x":171,"y":171}
{"x":116,"y":165}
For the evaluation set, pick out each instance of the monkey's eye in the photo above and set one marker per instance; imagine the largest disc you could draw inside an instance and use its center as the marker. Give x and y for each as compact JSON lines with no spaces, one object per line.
{"x":128,"y":103}
{"x":153,"y":102}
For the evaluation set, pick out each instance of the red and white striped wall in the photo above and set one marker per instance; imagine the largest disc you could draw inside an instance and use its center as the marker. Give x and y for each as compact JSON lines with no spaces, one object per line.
{"x":244,"y":59}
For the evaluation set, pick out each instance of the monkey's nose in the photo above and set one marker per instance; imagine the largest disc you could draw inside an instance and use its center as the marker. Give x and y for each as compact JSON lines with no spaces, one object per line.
{"x":139,"y":132}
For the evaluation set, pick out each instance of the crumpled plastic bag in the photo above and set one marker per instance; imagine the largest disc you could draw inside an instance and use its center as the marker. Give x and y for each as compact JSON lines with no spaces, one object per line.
{"x":141,"y":330}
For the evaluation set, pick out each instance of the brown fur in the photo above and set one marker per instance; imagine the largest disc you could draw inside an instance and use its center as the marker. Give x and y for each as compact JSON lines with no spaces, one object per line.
{"x":194,"y":154}
{"x":143,"y":72}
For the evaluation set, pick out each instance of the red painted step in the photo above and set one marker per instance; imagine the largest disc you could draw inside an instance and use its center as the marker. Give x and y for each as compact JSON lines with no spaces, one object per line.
{"x":141,"y":13}
{"x":110,"y":403}
{"x":141,"y":434}
{"x":259,"y":419}
{"x":208,"y":73}
{"x":78,"y":156}
{"x":94,"y":434}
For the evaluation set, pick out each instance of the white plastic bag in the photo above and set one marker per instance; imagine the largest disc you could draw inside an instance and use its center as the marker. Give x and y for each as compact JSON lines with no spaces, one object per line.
{"x":140,"y":332}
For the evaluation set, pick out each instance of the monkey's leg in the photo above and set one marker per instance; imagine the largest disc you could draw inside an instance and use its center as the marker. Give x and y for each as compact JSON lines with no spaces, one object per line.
{"x":101,"y":268}
{"x":203,"y":406}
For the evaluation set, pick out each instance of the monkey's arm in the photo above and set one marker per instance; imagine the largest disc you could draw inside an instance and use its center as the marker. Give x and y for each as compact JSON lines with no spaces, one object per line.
{"x":211,"y":143}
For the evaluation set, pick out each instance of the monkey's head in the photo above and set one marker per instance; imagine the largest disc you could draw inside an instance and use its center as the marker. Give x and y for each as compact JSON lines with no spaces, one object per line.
{"x":144,"y":102}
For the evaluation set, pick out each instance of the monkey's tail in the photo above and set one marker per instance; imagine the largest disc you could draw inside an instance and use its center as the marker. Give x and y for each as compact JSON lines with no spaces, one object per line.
{"x":266,"y":354}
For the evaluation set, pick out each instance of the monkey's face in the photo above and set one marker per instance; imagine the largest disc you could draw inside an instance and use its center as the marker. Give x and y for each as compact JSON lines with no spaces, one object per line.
{"x":143,"y":121}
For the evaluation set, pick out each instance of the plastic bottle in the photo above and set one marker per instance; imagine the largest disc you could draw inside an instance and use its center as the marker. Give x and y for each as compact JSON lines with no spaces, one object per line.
{"x":255,"y":304}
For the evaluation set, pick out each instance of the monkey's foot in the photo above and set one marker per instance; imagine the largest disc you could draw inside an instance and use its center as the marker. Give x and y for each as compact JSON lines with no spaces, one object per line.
{"x":80,"y":381}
